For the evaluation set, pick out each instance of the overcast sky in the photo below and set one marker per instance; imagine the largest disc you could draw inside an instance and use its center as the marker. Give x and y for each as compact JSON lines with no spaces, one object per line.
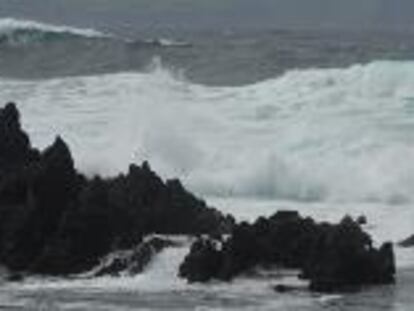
{"x":221,"y":13}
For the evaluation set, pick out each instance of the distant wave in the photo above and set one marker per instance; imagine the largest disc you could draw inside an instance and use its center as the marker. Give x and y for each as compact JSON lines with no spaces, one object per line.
{"x":165,"y":42}
{"x":20,"y":32}
{"x":161,"y":43}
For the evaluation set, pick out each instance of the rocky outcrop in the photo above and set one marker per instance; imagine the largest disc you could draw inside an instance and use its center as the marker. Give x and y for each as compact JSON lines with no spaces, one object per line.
{"x":333,"y":257}
{"x":15,"y":149}
{"x":344,"y":258}
{"x":203,"y":262}
{"x":54,"y":220}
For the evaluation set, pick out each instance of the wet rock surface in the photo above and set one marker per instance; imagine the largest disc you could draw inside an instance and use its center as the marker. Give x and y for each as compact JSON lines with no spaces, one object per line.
{"x":333,"y":257}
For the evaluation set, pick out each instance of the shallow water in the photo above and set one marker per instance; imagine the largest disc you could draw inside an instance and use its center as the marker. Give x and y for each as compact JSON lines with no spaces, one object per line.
{"x":242,"y":295}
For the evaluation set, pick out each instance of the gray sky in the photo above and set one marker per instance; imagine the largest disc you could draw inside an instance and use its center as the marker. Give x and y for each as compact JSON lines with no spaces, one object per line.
{"x":385,"y":14}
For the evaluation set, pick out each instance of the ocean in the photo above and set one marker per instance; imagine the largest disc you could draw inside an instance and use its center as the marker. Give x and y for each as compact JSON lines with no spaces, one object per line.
{"x":252,"y":121}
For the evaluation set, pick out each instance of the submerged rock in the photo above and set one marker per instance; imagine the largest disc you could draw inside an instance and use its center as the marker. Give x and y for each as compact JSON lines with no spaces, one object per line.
{"x":333,"y":257}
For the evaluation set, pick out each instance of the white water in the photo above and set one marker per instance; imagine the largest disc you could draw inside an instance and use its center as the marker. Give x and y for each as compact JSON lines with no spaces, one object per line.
{"x":157,"y":286}
{"x":341,"y":135}
{"x":159,"y":276}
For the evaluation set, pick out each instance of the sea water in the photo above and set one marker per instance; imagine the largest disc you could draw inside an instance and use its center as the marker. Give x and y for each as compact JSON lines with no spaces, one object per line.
{"x":265,"y":127}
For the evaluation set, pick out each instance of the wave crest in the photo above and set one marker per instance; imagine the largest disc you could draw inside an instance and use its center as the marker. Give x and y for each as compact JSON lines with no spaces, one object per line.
{"x":20,"y":32}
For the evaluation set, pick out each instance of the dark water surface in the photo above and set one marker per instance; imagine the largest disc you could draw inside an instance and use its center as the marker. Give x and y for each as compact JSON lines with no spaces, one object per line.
{"x":219,"y":57}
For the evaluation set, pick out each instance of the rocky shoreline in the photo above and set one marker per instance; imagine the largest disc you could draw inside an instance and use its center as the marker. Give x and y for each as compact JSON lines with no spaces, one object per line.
{"x":56,"y":221}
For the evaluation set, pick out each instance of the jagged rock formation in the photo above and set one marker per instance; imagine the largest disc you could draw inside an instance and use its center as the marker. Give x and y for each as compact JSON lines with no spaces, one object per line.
{"x":54,"y":220}
{"x":334,"y":257}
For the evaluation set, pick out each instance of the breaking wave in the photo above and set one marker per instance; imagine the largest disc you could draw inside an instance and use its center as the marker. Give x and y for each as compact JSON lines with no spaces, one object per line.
{"x":20,"y":32}
{"x":342,"y":135}
{"x":17,"y":32}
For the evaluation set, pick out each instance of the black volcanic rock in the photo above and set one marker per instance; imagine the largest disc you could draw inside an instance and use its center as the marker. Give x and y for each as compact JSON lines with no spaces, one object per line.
{"x":333,"y":257}
{"x":15,"y":149}
{"x":54,"y":220}
{"x":346,"y":259}
{"x":204,"y":262}
{"x":41,"y":191}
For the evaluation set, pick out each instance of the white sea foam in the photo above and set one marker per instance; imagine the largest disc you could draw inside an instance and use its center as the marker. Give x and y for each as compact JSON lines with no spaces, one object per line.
{"x":160,"y":278}
{"x":342,"y":135}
